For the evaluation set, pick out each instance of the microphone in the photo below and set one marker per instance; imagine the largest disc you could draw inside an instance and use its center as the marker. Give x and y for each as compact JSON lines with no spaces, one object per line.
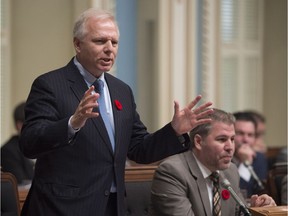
{"x":226,"y":184}
{"x":254,"y":175}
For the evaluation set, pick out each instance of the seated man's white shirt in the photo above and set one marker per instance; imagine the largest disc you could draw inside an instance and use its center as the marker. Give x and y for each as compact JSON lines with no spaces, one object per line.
{"x":209,"y":184}
{"x":244,"y":172}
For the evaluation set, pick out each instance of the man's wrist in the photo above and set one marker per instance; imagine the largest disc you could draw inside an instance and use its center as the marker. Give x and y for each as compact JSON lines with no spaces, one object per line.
{"x":70,"y":126}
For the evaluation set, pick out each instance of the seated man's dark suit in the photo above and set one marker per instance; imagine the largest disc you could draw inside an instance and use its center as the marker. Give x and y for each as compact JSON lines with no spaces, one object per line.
{"x":13,"y":161}
{"x":260,"y":167}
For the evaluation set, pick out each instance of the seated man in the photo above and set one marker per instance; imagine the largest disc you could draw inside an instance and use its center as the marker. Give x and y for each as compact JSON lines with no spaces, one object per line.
{"x":259,"y":145}
{"x":12,"y":159}
{"x":252,"y":165}
{"x":182,"y":184}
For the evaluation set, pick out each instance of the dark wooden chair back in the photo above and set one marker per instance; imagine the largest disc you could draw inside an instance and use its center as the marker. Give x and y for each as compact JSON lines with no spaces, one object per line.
{"x":138,"y":181}
{"x":275,"y":176}
{"x":9,"y":195}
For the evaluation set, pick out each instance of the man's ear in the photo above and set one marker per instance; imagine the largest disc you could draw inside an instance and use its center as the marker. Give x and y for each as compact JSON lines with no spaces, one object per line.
{"x":76,"y":43}
{"x":18,"y":126}
{"x":198,"y":141}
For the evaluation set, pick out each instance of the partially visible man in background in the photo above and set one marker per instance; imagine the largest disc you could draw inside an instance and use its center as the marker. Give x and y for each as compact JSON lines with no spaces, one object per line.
{"x":260,"y":119}
{"x":12,"y":159}
{"x":252,"y":165}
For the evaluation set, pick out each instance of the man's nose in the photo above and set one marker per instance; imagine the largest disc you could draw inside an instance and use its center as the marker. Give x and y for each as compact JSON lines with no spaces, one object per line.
{"x":245,"y":138}
{"x":242,"y":138}
{"x":229,"y":145}
{"x":108,"y":45}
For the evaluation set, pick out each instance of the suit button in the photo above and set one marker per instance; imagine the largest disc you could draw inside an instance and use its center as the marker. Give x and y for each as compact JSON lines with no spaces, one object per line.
{"x":107,"y":193}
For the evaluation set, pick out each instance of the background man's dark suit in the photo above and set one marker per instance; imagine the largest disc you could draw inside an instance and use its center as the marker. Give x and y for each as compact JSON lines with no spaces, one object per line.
{"x":259,"y":165}
{"x":179,"y":188}
{"x":13,"y":161}
{"x":74,"y":177}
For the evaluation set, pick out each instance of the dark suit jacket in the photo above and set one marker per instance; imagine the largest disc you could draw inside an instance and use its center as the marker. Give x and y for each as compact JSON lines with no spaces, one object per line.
{"x":74,"y":177}
{"x":13,"y":161}
{"x":260,"y":167}
{"x":179,"y":189}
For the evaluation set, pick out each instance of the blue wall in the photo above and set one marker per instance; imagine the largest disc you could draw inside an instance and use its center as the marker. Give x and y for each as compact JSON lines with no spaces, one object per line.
{"x":126,"y":62}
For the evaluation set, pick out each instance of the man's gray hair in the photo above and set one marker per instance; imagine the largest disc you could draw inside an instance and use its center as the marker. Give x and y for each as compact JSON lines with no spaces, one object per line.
{"x":80,"y":29}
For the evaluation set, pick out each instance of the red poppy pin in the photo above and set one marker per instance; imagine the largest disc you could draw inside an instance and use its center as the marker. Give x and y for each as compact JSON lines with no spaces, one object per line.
{"x":118,"y":105}
{"x":225,"y":194}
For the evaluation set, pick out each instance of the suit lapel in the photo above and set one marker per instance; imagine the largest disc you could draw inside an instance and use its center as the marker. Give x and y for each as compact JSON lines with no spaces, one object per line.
{"x":229,"y":205}
{"x":77,"y":83}
{"x":200,"y":181}
{"x":224,"y":203}
{"x":78,"y":87}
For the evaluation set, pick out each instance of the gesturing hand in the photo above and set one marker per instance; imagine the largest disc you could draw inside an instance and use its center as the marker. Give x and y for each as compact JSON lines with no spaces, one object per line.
{"x":185,"y":120}
{"x":84,"y":110}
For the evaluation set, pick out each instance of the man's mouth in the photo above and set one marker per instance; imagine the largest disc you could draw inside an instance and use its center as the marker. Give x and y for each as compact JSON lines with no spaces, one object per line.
{"x":227,"y":157}
{"x":106,"y":59}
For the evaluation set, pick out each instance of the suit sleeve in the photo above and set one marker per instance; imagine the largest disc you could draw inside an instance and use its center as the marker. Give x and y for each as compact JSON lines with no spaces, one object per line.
{"x":150,"y":147}
{"x":169,"y":194}
{"x":44,"y":130}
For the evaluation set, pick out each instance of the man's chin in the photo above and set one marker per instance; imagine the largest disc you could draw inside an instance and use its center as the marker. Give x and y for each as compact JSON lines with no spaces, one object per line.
{"x":106,"y":66}
{"x":106,"y":69}
{"x":225,"y":166}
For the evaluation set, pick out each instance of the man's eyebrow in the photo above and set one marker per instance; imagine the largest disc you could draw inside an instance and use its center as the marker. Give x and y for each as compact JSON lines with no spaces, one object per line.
{"x":222,"y":136}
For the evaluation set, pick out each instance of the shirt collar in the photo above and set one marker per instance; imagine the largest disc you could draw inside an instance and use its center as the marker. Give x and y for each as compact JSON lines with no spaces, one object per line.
{"x":204,"y":170}
{"x":88,"y":77}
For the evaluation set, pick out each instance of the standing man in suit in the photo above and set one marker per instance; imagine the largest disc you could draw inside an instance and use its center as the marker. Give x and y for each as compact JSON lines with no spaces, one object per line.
{"x":182,"y":184}
{"x":80,"y":156}
{"x":12,"y":159}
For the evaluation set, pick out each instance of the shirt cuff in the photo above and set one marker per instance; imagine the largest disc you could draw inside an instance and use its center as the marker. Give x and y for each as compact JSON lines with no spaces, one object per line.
{"x":71,"y":130}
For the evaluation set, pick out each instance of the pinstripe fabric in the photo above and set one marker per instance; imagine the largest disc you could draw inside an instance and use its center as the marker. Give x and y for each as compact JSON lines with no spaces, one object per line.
{"x":73,"y":177}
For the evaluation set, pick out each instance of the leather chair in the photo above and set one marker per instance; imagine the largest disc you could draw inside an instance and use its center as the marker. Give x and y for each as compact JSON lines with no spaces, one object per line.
{"x":137,"y":198}
{"x":9,"y":195}
{"x":275,"y":176}
{"x":138,"y":181}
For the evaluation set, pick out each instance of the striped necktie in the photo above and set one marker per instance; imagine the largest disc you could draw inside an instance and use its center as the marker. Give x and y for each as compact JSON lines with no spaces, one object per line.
{"x":216,"y":211}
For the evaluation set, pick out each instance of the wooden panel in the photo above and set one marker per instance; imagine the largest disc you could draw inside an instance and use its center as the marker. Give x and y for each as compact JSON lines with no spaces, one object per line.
{"x":22,"y":196}
{"x":139,"y":173}
{"x":132,"y":174}
{"x":273,"y":210}
{"x":272,"y":152}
